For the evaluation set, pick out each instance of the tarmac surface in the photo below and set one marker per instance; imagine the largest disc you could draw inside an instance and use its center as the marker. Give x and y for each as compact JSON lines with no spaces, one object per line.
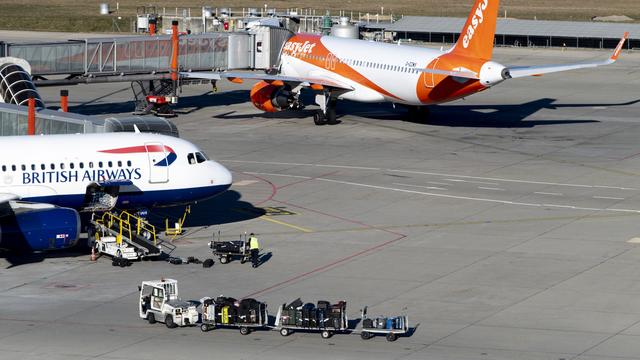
{"x":505,"y":228}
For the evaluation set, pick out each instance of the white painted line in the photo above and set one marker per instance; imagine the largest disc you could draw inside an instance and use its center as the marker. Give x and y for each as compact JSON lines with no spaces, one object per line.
{"x":490,"y":188}
{"x":348,"y":167}
{"x":282,"y":175}
{"x":512,"y":180}
{"x":506,"y":202}
{"x":453,"y":180}
{"x":548,"y":193}
{"x":244,"y":182}
{"x":608,"y":198}
{"x":436,"y":183}
{"x":422,"y":187}
{"x":265,"y":162}
{"x":439,"y":174}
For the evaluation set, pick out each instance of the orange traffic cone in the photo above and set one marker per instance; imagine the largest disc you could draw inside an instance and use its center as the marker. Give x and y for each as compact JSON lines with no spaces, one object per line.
{"x":93,"y":254}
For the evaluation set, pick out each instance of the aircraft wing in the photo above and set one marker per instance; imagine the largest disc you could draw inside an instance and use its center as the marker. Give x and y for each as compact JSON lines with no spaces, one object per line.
{"x":524,"y":71}
{"x":6,"y":197}
{"x":237,"y":77}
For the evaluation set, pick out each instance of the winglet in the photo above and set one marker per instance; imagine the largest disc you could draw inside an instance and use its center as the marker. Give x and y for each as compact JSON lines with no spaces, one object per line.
{"x":618,"y":49}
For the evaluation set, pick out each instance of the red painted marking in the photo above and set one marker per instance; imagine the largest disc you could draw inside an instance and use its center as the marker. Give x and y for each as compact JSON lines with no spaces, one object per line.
{"x":138,"y":149}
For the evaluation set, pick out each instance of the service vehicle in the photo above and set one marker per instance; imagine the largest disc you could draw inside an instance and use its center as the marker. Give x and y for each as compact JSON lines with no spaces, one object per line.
{"x":159,"y":302}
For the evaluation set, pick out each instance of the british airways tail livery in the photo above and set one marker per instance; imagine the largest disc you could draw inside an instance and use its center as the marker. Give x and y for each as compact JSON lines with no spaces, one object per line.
{"x":337,"y":68}
{"x":46,"y":181}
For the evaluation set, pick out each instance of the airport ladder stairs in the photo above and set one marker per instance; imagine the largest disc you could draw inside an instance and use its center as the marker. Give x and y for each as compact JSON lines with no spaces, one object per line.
{"x":142,"y":89}
{"x":135,"y":231}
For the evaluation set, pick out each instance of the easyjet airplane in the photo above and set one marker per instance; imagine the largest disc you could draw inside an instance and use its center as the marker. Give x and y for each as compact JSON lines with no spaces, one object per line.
{"x":364,"y":71}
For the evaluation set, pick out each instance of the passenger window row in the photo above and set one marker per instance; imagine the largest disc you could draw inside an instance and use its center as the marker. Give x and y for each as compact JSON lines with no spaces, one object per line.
{"x":366,"y":64}
{"x":65,"y":166}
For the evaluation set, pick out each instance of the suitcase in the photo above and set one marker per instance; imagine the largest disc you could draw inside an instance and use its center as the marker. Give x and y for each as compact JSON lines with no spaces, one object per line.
{"x":390,"y":323}
{"x":225,"y":314}
{"x":324,"y":305}
{"x":367,"y":323}
{"x":295,"y":304}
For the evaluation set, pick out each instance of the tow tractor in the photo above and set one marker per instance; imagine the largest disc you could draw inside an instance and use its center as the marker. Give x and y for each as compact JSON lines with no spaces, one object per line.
{"x":159,"y":302}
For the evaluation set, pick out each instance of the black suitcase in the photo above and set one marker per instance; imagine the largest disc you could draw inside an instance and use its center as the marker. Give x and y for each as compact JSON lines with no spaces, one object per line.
{"x":367,"y":323}
{"x":324,"y":305}
{"x":295,"y":304}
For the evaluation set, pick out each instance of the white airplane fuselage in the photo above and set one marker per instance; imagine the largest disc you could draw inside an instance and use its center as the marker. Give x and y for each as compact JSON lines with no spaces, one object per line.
{"x":149,"y":169}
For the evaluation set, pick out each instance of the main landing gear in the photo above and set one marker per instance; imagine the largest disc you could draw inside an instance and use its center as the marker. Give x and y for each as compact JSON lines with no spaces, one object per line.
{"x":327,"y":113}
{"x":418,"y":114}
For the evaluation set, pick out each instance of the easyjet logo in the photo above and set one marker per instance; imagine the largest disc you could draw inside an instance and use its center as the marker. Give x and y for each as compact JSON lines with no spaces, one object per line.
{"x":476,"y":20}
{"x":298,"y":47}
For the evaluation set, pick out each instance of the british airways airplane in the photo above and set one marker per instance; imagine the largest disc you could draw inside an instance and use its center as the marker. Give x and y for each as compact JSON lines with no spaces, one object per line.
{"x":47,"y":181}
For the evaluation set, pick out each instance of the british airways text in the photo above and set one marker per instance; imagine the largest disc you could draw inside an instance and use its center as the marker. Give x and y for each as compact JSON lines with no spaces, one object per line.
{"x":95,"y":175}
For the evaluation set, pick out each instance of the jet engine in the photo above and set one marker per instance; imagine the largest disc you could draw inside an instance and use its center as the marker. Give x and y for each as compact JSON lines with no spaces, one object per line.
{"x":271,"y":98}
{"x":493,"y":73}
{"x":36,"y":227}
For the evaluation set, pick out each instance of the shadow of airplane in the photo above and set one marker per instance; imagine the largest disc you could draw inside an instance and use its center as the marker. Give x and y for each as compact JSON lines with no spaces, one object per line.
{"x":186,"y":104}
{"x":450,"y":115}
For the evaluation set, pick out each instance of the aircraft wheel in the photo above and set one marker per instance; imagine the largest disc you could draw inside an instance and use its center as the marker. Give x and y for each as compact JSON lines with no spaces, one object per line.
{"x":319,"y":118}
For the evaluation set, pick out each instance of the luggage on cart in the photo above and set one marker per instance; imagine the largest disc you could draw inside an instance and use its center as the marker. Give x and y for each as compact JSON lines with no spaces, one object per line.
{"x":246,"y":314}
{"x":325,"y":318}
{"x":391,"y":326}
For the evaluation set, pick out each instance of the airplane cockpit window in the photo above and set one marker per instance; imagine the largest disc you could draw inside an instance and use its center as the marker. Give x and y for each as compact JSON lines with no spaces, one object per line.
{"x":201,"y":157}
{"x":191,"y":158}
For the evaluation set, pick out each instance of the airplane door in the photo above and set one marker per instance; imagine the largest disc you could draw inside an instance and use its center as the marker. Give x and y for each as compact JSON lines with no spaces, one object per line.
{"x":158,"y":172}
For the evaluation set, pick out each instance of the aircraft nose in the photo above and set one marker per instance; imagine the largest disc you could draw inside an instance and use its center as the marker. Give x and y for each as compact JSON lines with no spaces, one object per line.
{"x":221,"y":175}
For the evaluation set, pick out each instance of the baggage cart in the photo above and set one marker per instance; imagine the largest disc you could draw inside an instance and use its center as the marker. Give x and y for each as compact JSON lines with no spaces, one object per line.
{"x":229,"y":250}
{"x":324,"y":318}
{"x":390,"y":327}
{"x":246,"y":315}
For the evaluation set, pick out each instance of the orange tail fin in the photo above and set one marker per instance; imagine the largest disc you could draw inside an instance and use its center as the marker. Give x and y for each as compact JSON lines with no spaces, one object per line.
{"x":477,"y":35}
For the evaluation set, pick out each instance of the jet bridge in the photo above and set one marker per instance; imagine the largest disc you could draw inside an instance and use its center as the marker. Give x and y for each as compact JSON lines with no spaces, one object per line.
{"x":145,"y":61}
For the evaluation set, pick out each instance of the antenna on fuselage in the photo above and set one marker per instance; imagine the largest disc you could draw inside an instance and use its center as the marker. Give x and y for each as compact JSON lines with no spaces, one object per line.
{"x":135,"y":129}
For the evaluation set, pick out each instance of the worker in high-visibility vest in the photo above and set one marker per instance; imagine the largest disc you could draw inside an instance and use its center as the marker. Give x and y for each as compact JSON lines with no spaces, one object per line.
{"x":254,"y":247}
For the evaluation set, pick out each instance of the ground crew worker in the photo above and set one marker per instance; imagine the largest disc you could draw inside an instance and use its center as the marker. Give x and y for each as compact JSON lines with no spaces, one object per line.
{"x":254,"y":247}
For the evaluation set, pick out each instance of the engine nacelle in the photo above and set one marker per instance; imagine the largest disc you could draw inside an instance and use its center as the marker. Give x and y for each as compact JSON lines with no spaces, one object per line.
{"x":36,"y":229}
{"x":493,"y":73}
{"x":271,"y":98}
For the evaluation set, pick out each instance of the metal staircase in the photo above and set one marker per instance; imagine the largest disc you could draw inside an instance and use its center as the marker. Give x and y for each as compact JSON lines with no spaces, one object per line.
{"x":133,"y":230}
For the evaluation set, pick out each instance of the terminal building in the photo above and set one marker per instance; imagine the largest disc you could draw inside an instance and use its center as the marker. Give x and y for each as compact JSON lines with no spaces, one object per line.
{"x":515,"y":32}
